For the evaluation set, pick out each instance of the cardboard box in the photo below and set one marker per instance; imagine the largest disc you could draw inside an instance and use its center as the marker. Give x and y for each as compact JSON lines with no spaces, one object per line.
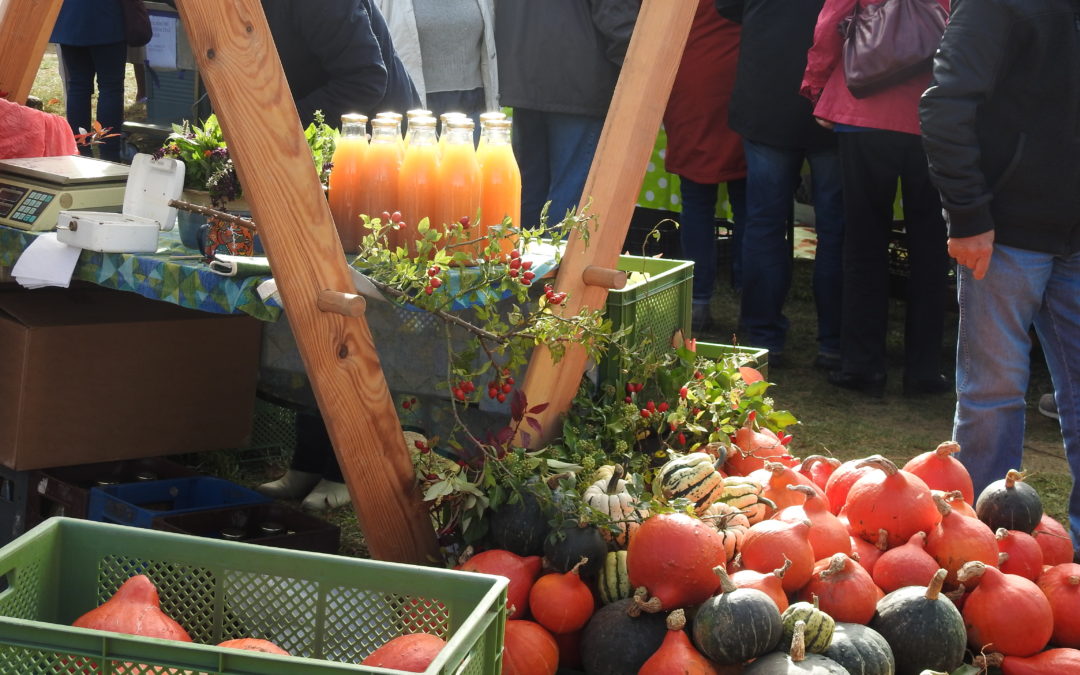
{"x":100,"y":375}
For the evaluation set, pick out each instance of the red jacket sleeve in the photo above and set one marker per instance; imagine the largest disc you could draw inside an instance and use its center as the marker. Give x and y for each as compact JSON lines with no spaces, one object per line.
{"x":824,"y":55}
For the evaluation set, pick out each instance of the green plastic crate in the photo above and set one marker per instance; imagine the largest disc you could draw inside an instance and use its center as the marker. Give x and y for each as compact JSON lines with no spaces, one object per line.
{"x":330,"y":612}
{"x":654,"y":308}
{"x":754,"y":357}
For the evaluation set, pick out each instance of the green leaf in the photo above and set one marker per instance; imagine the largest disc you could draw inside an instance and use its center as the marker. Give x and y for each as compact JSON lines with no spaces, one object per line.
{"x":560,"y":466}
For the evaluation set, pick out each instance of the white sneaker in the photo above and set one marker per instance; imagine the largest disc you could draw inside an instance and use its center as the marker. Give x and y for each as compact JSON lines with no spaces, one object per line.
{"x":1048,"y":406}
{"x":326,"y":495}
{"x":293,"y":485}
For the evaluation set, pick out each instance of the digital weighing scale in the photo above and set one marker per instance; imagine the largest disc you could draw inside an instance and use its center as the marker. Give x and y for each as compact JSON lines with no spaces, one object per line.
{"x":34,"y":190}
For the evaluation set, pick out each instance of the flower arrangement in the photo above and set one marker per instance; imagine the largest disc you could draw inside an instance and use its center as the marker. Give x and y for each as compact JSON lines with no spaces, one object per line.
{"x":208,"y":166}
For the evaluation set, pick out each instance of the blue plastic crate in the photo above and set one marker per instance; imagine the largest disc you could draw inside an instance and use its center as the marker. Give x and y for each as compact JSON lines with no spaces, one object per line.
{"x":138,"y":504}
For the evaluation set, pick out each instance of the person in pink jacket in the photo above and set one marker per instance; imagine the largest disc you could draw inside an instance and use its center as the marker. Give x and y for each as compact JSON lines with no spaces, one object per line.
{"x":879,"y":143}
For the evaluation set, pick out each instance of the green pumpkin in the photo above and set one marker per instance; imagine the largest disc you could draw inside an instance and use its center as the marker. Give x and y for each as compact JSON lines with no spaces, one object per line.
{"x":736,"y":625}
{"x":923,"y":628}
{"x":819,"y":626}
{"x":861,"y":650}
{"x":795,"y":662}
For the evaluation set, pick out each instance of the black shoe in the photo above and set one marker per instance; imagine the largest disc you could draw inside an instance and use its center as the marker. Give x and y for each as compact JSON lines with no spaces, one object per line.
{"x":871,"y":385}
{"x":927,"y":385}
{"x":825,"y":361}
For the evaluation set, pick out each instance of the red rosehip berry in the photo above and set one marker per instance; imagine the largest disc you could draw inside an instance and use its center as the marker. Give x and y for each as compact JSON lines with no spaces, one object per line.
{"x":629,"y":399}
{"x":507,"y":388}
{"x":526,"y":264}
{"x":683,"y":392}
{"x":435,"y":282}
{"x":682,"y":439}
{"x":515,"y":253}
{"x":645,"y":413}
{"x":650,"y":406}
{"x":429,"y":289}
{"x":500,"y":398}
{"x":395,"y":216}
{"x":663,"y":406}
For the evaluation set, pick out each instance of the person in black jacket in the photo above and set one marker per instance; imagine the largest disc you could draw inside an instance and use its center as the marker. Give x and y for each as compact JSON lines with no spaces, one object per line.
{"x":1001,"y":128}
{"x":559,"y":61}
{"x":338,"y":58}
{"x":779,"y":135}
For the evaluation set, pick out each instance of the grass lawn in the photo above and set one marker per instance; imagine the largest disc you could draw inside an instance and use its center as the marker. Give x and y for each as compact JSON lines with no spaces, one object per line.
{"x":833,"y":421}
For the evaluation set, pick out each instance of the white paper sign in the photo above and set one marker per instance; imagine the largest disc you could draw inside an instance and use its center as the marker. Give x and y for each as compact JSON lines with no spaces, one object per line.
{"x":161,"y":51}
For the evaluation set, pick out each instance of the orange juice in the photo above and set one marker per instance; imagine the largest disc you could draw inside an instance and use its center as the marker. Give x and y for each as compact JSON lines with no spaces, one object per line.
{"x":444,"y":128}
{"x":500,"y":182}
{"x":485,"y":118}
{"x":396,"y":117}
{"x":418,"y":186}
{"x":345,"y":185}
{"x":459,"y":182}
{"x":413,"y":115}
{"x":380,"y":173}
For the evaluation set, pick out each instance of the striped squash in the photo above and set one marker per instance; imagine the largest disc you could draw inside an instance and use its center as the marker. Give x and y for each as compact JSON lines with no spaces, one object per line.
{"x":614,"y":581}
{"x":730,"y":522}
{"x":819,"y":626}
{"x":693,"y":477}
{"x":746,"y":496}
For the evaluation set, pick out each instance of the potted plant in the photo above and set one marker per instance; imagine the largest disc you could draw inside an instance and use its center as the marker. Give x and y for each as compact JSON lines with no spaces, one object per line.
{"x":209,"y":173}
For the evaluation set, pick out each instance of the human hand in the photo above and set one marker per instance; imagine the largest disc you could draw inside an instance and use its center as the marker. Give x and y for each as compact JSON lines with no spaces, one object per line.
{"x":973,"y":252}
{"x":825,"y":123}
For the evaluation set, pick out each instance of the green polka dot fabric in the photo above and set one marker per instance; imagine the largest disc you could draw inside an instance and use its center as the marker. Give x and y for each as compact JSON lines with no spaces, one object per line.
{"x":660,"y":189}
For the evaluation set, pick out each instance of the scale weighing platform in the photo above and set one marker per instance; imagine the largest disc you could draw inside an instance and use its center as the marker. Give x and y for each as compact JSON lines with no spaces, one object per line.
{"x":34,"y":190}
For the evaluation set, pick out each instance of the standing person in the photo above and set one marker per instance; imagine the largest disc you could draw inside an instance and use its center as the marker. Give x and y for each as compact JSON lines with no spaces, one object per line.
{"x":448,"y":47}
{"x":338,"y":57}
{"x":999,"y":125}
{"x":559,"y":61}
{"x":779,"y":135}
{"x":702,"y":150}
{"x":90,"y":38}
{"x":879,"y":143}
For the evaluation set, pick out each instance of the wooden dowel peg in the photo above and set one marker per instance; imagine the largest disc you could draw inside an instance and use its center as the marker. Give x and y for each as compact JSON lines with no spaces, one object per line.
{"x":346,"y":304}
{"x":604,"y":277}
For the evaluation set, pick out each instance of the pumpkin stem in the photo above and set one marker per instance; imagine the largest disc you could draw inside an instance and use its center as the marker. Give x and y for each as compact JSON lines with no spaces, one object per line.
{"x":726,"y":584}
{"x":776,"y":468}
{"x":882,"y":540}
{"x":804,"y":489}
{"x":817,"y":604}
{"x":1003,"y":558}
{"x":780,"y":571}
{"x":466,"y":553}
{"x":991,"y":660}
{"x":650,"y":606}
{"x":947,"y":448}
{"x":880,"y":462}
{"x":1012,"y":477}
{"x":798,"y":642}
{"x":942,"y":506}
{"x":613,"y":484}
{"x":1073,"y":580}
{"x":676,"y":620}
{"x":933,"y":589}
{"x":971,"y":570}
{"x":836,"y":565}
{"x":553,"y":481}
{"x":811,"y":460}
{"x":956,"y":594}
{"x":575,"y":568}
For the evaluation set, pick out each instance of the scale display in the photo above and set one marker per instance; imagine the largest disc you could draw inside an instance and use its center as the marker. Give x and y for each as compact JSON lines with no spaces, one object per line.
{"x":33,"y":191}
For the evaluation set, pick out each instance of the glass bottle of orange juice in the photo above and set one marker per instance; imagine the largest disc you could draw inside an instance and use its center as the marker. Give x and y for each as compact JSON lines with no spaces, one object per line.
{"x":380,"y":174}
{"x":397,"y":117}
{"x":459,"y":183}
{"x":345,"y":185}
{"x":500,"y":182}
{"x":410,"y":116}
{"x":484,"y":119}
{"x":418,"y":186}
{"x":444,"y":128}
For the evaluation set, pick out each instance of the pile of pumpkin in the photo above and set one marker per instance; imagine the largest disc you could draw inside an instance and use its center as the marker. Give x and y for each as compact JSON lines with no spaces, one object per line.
{"x":766,"y":564}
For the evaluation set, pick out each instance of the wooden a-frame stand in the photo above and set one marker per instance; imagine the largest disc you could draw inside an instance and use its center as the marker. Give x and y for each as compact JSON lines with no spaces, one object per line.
{"x":238,"y":62}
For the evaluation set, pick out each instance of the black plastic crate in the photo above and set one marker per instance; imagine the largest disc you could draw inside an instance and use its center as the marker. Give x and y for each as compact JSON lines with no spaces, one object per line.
{"x":266,"y":524}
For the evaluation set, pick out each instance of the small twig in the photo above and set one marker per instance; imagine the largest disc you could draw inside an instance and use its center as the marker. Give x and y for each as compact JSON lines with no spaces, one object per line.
{"x":446,"y":316}
{"x":212,"y":213}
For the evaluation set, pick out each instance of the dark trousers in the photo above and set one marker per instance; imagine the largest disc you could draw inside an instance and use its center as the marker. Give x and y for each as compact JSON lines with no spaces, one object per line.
{"x":108,"y":65}
{"x":872,"y":162}
{"x":697,"y":232}
{"x":314,"y":451}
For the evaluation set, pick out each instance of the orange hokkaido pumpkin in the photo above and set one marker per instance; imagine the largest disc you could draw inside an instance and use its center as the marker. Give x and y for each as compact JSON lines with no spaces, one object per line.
{"x":562,"y":603}
{"x":1005,"y":613}
{"x":819,"y":468}
{"x":1061,"y":586}
{"x":892,"y":500}
{"x":1050,"y":662}
{"x":769,"y":583}
{"x":844,"y":590}
{"x":906,"y":565}
{"x":254,"y":645}
{"x":136,"y":610}
{"x":1054,"y":540}
{"x":529,"y":649}
{"x":841,"y":480}
{"x":673,"y":555}
{"x":768,"y":543}
{"x":753,"y":447}
{"x":957,"y":540}
{"x":941,"y":471}
{"x":828,"y":535}
{"x":412,"y":653}
{"x":775,"y":479}
{"x":677,"y":655}
{"x":522,"y":571}
{"x":1019,"y":553}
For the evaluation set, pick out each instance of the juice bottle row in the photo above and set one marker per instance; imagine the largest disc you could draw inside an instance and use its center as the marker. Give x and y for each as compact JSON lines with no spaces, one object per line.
{"x":443,"y":177}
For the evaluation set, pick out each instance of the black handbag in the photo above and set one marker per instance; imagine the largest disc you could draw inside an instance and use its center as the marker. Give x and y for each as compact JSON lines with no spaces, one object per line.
{"x":137,"y":29}
{"x":889,"y":42}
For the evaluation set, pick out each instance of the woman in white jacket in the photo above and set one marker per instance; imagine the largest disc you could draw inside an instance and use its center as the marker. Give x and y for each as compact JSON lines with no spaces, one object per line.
{"x":448,"y":47}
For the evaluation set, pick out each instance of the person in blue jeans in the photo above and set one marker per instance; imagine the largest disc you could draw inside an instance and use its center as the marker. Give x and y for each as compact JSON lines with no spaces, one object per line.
{"x":999,"y":125}
{"x":559,"y":61}
{"x":779,"y":137}
{"x":90,"y":35}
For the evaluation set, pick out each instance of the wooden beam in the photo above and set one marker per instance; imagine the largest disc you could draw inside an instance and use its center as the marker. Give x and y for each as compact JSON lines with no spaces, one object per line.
{"x":239,"y":64}
{"x":25,"y":26}
{"x":618,"y":168}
